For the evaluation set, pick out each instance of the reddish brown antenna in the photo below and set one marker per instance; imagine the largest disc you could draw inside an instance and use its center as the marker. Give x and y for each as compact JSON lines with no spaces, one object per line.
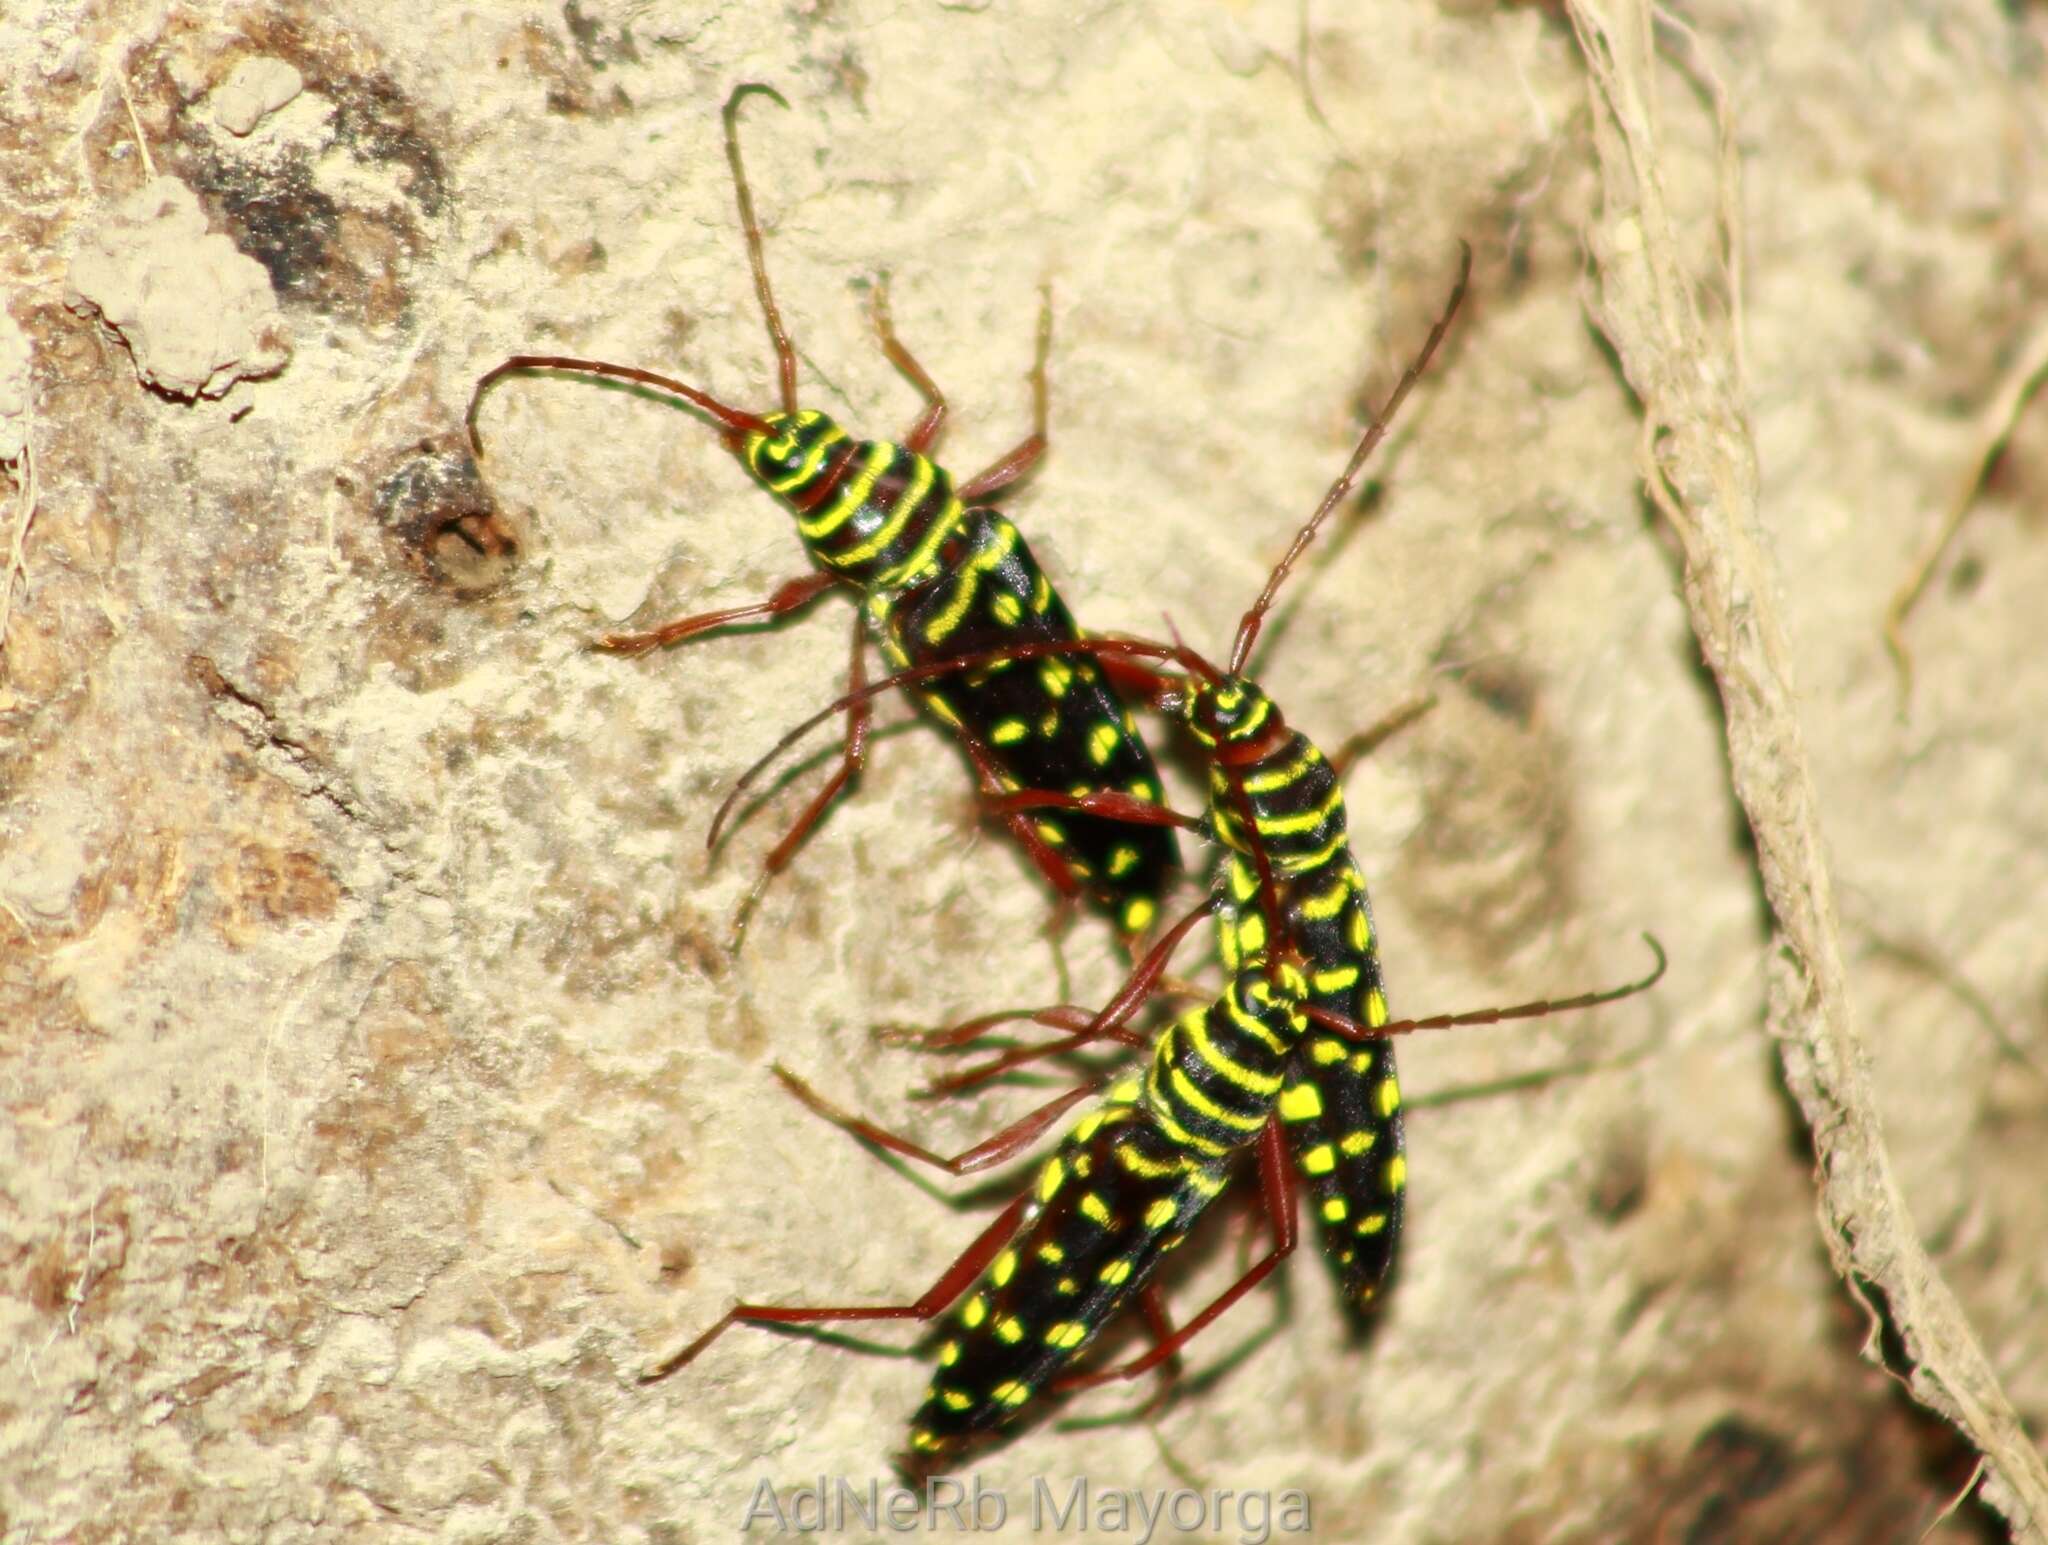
{"x":1248,"y":628}
{"x":785,"y":351}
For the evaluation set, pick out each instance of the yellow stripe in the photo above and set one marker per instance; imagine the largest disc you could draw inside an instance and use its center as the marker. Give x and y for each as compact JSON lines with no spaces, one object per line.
{"x":1262,"y":710}
{"x":899,"y":512}
{"x":1309,"y":863}
{"x":1305,"y":821}
{"x":1236,"y":1072}
{"x":1138,"y":1164}
{"x":1189,"y":1095}
{"x":1282,"y":777}
{"x":818,"y":526}
{"x":1181,"y":1137}
{"x":809,"y":469}
{"x":1320,"y":909}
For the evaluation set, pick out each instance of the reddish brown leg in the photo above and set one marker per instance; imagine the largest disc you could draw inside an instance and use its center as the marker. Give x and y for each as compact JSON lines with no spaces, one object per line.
{"x":1065,"y":1016}
{"x":1107,"y":803}
{"x":986,"y":1154}
{"x":1106,"y":1025}
{"x":1373,"y":736}
{"x":1023,"y":456}
{"x":1135,"y":680}
{"x":1159,"y":1326}
{"x":951,"y":1284}
{"x":1058,"y":873}
{"x":1276,"y":1190}
{"x":923,"y":434}
{"x":793,"y":596}
{"x":853,"y":757}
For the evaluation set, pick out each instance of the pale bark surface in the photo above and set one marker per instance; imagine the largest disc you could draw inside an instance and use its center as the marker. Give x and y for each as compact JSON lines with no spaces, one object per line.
{"x":377,"y":1099}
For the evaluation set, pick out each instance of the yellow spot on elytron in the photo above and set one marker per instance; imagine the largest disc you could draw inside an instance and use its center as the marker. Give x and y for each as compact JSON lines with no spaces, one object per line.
{"x":1116,"y":1273}
{"x":1051,"y":1254}
{"x":1301,"y":1103}
{"x":1066,"y":1335}
{"x":1325,"y":1052}
{"x":1356,"y":1143}
{"x":1334,"y":1210}
{"x":941,"y":710}
{"x":1396,"y":1177}
{"x":1095,"y":1208}
{"x":921,"y":1439}
{"x":1125,"y":1092}
{"x":1012,"y":1393}
{"x":1009,"y":731}
{"x":1049,"y":725}
{"x":1335,"y":980}
{"x":1006,"y":608}
{"x":1103,"y":740}
{"x":1160,"y":1213}
{"x":1004,"y":1269}
{"x":1375,"y":1007}
{"x":1055,"y":676}
{"x":1362,"y":1063}
{"x":1041,"y":592}
{"x":1143,"y":789}
{"x":1319,"y":1160}
{"x":974,"y":1311}
{"x":1372,"y":1223}
{"x":1387,"y":1098}
{"x":1069,"y":1286}
{"x":1346,"y":1257}
{"x":1050,"y":1179}
{"x":1010,"y":1329}
{"x":1086,"y":1127}
{"x":949,"y":1354}
{"x":1138,"y":914}
{"x":1358,"y":931}
{"x":956,"y":1399}
{"x":1049,"y":834}
{"x":1122,"y":861}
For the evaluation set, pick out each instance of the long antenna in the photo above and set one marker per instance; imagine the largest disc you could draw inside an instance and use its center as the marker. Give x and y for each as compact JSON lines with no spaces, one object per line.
{"x":735,"y":421}
{"x":785,"y":351}
{"x":1248,"y":628}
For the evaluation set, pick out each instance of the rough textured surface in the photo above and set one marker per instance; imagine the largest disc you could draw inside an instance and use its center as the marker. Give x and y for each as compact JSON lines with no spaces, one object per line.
{"x":378,"y":1097}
